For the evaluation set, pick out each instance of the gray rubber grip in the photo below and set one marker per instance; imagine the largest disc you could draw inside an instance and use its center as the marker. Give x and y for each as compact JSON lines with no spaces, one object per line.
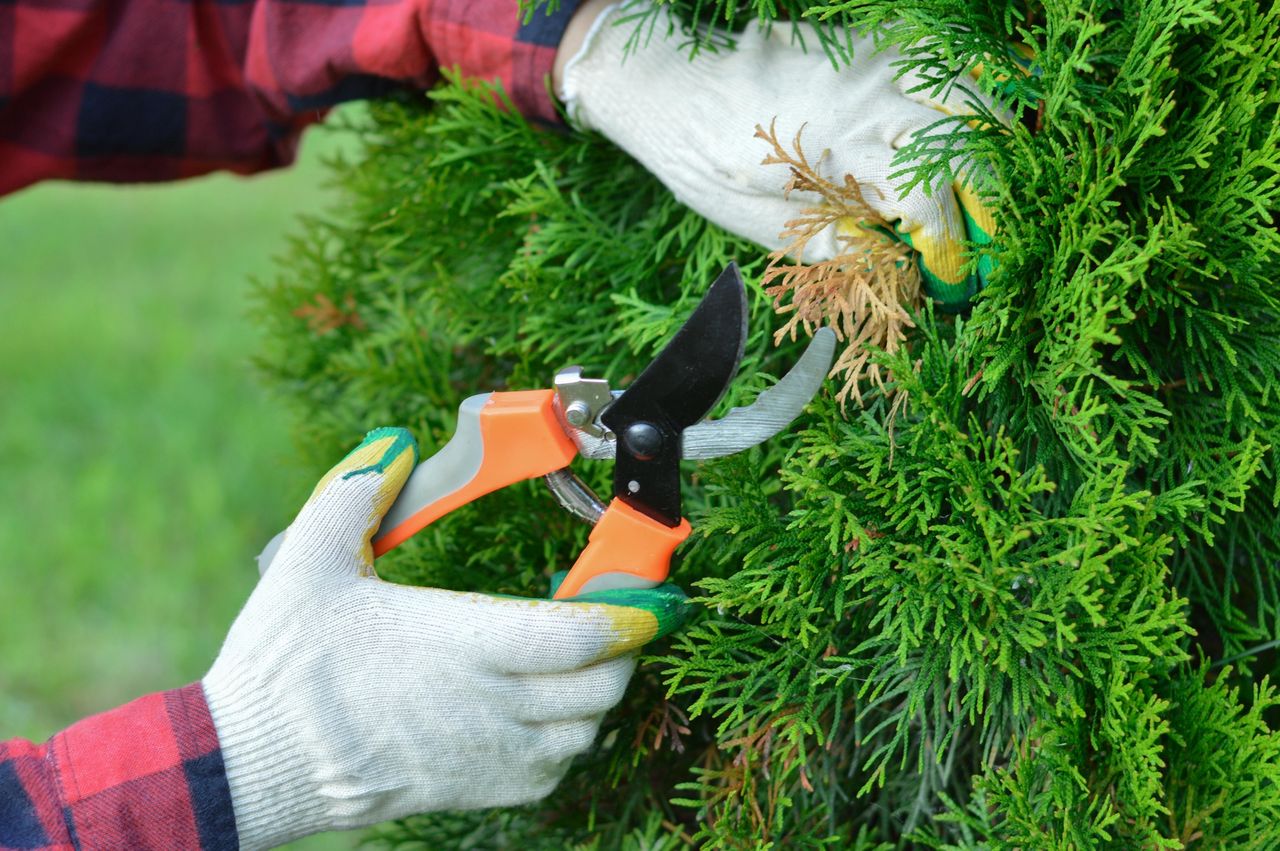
{"x":615,"y":582}
{"x":451,"y":468}
{"x":454,"y":466}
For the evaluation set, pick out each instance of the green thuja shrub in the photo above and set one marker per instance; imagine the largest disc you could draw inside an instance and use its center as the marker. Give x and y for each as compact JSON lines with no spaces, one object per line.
{"x":1032,"y":603}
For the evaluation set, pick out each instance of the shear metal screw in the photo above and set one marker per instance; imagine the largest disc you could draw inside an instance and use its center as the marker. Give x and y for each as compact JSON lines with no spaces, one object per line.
{"x":643,"y":440}
{"x":578,"y":413}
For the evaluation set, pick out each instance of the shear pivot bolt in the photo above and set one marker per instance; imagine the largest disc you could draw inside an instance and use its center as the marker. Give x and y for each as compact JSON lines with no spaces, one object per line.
{"x":642,"y":440}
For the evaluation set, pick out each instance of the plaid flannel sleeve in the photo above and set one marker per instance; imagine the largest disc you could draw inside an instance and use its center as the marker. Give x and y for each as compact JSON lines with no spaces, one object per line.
{"x":147,"y":775}
{"x":143,"y":90}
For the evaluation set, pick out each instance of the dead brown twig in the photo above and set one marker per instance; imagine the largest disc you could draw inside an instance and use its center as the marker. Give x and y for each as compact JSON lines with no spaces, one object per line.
{"x":325,"y":316}
{"x":862,"y":292}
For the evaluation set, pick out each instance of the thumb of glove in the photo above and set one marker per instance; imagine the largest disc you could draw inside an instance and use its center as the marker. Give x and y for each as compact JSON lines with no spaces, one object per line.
{"x":332,"y":533}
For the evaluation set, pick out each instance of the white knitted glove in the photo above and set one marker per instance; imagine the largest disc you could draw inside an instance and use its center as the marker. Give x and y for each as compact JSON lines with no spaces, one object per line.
{"x":341,"y":700}
{"x":692,"y":123}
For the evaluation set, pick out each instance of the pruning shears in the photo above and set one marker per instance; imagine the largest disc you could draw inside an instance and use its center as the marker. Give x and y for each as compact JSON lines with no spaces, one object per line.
{"x":646,"y":429}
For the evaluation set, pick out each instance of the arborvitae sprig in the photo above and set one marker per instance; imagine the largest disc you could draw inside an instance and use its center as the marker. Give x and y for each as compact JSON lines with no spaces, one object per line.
{"x":963,"y":623}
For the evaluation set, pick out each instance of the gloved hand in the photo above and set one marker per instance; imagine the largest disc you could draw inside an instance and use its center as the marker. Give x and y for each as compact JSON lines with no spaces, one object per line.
{"x":692,"y":123}
{"x":341,"y":700}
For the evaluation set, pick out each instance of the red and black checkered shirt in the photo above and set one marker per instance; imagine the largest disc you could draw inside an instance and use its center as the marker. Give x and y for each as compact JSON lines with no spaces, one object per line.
{"x":143,"y":90}
{"x":146,"y":775}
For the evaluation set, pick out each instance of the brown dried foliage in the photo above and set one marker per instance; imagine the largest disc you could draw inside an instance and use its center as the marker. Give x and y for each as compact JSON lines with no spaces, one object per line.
{"x":324,"y":316}
{"x":665,"y":721}
{"x":863,"y":292}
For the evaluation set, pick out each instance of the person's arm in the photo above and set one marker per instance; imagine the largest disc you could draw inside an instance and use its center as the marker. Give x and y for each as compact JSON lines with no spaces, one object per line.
{"x":149,"y":90}
{"x":146,"y":775}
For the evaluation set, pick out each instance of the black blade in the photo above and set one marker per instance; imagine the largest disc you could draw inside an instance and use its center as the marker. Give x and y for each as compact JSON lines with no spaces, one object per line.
{"x":676,"y":390}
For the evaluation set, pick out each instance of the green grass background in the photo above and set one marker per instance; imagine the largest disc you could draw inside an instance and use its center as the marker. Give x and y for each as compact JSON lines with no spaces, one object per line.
{"x":142,"y":465}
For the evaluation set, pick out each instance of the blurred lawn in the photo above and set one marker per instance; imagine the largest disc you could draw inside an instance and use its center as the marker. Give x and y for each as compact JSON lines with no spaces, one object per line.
{"x":142,"y":466}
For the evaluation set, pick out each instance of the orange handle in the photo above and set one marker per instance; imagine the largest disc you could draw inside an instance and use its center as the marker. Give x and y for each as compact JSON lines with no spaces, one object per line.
{"x":501,"y":438}
{"x":626,"y":549}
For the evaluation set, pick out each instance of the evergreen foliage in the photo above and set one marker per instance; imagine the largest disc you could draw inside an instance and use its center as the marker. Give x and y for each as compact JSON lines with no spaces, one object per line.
{"x":1035,"y":606}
